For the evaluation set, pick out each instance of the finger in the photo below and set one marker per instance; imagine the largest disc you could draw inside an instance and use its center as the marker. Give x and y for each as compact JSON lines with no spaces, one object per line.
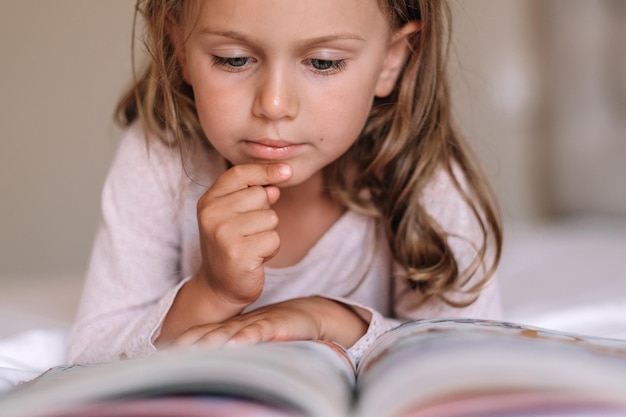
{"x":258,"y":221}
{"x":192,"y":335}
{"x":273,"y":193}
{"x":239,"y":333}
{"x":241,"y":177}
{"x":248,"y":199}
{"x":246,"y":235}
{"x":252,"y":253}
{"x":252,"y":240}
{"x":262,"y":330}
{"x":215,"y":335}
{"x":254,"y":197}
{"x":265,"y":245}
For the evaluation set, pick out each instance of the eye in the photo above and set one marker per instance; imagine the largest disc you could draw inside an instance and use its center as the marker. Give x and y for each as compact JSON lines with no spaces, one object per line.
{"x":327,"y":66}
{"x":234,"y":63}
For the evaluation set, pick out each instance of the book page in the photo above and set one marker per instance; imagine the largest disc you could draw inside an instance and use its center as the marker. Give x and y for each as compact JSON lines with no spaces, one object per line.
{"x":440,"y":359}
{"x":302,"y":376}
{"x":180,"y":406}
{"x":518,"y":404}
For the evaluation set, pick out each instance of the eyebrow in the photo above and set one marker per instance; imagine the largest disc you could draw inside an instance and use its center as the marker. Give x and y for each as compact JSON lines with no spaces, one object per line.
{"x":307,"y":42}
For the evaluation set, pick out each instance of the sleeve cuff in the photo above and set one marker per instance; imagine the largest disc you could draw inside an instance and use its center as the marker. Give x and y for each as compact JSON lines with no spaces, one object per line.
{"x":150,"y":330}
{"x":378,"y":324}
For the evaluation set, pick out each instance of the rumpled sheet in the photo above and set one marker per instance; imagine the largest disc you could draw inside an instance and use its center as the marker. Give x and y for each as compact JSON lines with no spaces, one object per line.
{"x":27,"y":354}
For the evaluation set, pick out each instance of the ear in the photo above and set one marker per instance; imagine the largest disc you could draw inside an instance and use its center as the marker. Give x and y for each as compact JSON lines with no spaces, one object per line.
{"x":397,"y":54}
{"x":173,"y":30}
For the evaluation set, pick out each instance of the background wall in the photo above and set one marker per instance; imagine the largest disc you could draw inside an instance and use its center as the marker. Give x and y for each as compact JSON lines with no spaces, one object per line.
{"x":62,"y":66}
{"x":542,"y":94}
{"x":540,"y":90}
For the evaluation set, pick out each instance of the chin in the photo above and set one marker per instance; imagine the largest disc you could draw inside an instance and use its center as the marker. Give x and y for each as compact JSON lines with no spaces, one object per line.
{"x":301,"y":180}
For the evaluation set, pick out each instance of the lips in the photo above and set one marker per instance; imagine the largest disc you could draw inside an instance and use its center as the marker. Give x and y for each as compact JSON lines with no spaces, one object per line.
{"x":273,"y":143}
{"x":274,"y":149}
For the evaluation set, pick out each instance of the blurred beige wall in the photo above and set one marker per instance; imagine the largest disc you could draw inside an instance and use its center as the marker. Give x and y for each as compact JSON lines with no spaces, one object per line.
{"x":63,"y":63}
{"x":497,"y":88}
{"x":541,"y":93}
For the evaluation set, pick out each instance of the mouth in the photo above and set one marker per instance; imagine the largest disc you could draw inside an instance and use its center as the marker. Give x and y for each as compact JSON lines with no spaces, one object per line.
{"x":274,"y":149}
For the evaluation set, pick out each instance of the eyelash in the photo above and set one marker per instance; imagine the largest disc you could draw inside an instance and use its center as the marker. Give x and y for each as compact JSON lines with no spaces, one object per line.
{"x":228,"y":62}
{"x":331,"y":66}
{"x":334,"y":65}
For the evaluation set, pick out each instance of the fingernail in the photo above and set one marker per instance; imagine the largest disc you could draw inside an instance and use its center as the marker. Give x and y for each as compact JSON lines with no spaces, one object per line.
{"x":232,"y":343}
{"x":284,"y":170}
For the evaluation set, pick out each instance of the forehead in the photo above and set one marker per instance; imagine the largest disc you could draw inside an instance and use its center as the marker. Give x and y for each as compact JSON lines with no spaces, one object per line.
{"x":295,"y":18}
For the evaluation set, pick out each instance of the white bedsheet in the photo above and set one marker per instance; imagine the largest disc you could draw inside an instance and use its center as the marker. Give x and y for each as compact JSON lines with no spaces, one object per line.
{"x":27,"y":354}
{"x":603,"y":319}
{"x":568,"y":276}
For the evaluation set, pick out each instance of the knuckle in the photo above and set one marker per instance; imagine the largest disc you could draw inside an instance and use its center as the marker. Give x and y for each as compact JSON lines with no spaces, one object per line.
{"x":252,"y":331}
{"x":240,"y":173}
{"x":205,"y":207}
{"x":258,"y":193}
{"x":273,"y":238}
{"x":237,"y":170}
{"x":261,"y":329}
{"x":268,"y":328}
{"x":228,"y":327}
{"x":272,"y":218}
{"x":222,"y":231}
{"x":202,"y":203}
{"x":233,"y":256}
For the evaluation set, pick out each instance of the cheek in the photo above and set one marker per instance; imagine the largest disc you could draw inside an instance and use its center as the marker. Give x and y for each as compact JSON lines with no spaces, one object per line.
{"x":341,"y":128}
{"x":350,"y":110}
{"x":217,"y":108}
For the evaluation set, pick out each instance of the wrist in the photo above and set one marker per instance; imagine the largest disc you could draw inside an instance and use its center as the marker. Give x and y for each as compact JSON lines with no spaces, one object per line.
{"x":213,"y":305}
{"x":340,"y":322}
{"x":195,"y":304}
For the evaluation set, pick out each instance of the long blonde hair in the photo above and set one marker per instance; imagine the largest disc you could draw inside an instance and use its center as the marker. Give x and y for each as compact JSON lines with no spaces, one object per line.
{"x":408,"y":138}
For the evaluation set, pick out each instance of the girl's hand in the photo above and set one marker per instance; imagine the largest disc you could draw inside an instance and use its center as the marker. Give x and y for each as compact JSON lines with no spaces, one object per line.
{"x":238,"y":231}
{"x":311,"y":318}
{"x":237,"y":236}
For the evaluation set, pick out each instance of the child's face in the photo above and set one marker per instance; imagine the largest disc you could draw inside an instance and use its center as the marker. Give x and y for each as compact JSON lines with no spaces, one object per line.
{"x":285,"y":80}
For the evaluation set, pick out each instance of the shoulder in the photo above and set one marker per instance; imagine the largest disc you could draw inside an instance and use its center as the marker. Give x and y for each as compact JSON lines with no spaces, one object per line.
{"x":446,"y":198}
{"x":149,"y":183}
{"x":138,"y":151}
{"x":449,"y":201}
{"x":143,"y":160}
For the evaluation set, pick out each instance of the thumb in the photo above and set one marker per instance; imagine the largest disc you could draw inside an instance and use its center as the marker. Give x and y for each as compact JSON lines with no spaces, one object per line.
{"x":281,"y":172}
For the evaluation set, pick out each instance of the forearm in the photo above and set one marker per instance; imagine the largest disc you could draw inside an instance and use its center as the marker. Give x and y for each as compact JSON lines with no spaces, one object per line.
{"x":195,"y":304}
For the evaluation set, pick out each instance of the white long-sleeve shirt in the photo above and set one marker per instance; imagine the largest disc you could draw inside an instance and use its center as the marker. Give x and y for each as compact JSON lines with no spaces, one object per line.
{"x":147,"y":247}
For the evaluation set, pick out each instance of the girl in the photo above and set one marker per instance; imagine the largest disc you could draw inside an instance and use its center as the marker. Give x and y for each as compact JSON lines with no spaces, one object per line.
{"x":290,"y":171}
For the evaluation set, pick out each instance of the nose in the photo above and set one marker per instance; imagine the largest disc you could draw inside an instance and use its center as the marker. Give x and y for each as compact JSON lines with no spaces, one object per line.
{"x":276,"y":96}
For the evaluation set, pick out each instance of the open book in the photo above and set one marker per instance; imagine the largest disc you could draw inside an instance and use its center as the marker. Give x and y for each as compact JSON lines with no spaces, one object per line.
{"x":436,"y":367}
